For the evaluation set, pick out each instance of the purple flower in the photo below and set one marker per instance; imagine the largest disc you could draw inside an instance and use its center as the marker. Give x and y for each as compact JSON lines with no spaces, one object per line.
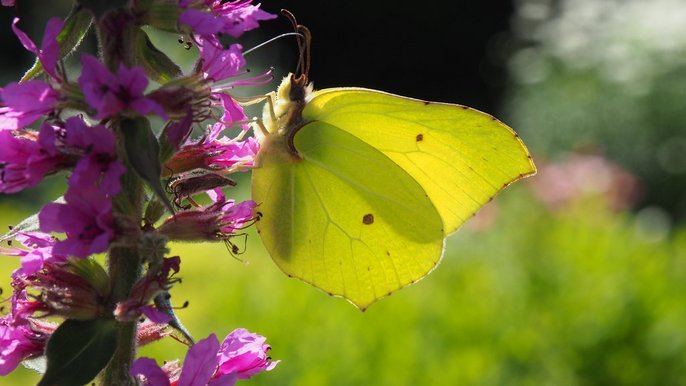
{"x":86,"y":218}
{"x":109,"y":94}
{"x":24,"y":103}
{"x":218,"y":221}
{"x":244,"y":354}
{"x":201,"y":22}
{"x":24,"y":161}
{"x":20,"y":336}
{"x":227,"y":154}
{"x":36,"y":251}
{"x":221,"y":67}
{"x":8,"y":3}
{"x":18,"y":341}
{"x":241,"y":355}
{"x":218,"y":16}
{"x":218,"y":63}
{"x":98,"y":163}
{"x":50,"y":48}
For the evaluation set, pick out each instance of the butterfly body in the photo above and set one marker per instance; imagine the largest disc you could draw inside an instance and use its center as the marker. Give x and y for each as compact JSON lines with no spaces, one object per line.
{"x":359,"y":188}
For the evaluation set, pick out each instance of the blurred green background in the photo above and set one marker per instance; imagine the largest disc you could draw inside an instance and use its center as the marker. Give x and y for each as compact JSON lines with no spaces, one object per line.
{"x":575,"y":277}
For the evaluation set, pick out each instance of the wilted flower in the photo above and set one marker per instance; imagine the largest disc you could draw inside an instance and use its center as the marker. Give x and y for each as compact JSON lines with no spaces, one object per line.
{"x":158,"y":279}
{"x":218,"y":221}
{"x":218,"y":154}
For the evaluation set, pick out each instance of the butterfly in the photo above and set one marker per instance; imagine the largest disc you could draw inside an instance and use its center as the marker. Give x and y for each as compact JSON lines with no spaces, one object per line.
{"x":358,"y":189}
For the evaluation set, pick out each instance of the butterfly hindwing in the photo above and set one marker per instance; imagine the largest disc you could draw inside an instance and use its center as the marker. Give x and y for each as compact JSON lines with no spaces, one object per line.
{"x":346,"y":218}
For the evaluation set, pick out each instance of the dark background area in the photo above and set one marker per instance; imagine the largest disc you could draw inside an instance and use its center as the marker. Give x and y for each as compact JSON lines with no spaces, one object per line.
{"x":436,"y":50}
{"x":449,"y":51}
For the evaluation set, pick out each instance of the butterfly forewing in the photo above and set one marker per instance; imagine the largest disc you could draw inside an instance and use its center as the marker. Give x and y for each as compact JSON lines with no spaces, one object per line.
{"x":460,"y":156}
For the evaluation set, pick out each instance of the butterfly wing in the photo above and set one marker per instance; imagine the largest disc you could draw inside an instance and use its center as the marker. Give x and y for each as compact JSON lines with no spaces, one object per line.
{"x":460,"y":156}
{"x":346,"y":218}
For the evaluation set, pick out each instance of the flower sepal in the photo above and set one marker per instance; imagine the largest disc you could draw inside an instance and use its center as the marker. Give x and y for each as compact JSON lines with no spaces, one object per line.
{"x":161,"y":14}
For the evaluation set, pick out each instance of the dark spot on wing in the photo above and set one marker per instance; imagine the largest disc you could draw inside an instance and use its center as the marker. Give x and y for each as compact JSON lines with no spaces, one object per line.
{"x":368,"y":219}
{"x":388,"y":253}
{"x":426,"y":102}
{"x":420,"y":137}
{"x":465,"y":107}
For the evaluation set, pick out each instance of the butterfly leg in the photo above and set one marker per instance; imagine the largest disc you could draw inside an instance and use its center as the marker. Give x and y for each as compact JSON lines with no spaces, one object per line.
{"x":270,"y":99}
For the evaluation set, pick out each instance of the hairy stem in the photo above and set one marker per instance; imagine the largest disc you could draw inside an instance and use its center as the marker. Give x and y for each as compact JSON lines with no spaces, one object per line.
{"x":124,"y":261}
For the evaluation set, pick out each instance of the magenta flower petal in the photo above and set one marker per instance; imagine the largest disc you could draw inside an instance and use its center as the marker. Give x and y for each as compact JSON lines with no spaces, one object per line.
{"x":99,"y":86}
{"x":17,"y":342}
{"x":147,"y":367}
{"x":155,"y":315}
{"x":50,"y":49}
{"x":230,"y":17}
{"x":200,"y":363}
{"x":24,"y":38}
{"x":99,"y":165}
{"x":201,"y":22}
{"x":110,"y":94}
{"x":24,"y":162}
{"x":245,"y":354}
{"x":219,"y":63}
{"x":25,"y":103}
{"x":224,"y":380}
{"x":242,"y":18}
{"x":86,"y":218}
{"x":233,"y":112}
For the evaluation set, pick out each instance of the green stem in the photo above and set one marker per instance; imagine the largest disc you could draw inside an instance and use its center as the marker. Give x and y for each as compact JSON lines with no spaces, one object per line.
{"x":124,"y":269}
{"x":124,"y":261}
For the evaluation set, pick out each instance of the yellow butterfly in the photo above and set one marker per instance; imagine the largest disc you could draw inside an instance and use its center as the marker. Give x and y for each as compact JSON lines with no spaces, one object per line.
{"x":359,"y":188}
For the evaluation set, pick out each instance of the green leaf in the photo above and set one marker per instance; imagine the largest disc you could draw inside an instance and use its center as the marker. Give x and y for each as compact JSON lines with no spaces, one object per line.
{"x":143,"y":153}
{"x":157,"y":65}
{"x":29,"y":224}
{"x":78,"y":350}
{"x":75,"y":28}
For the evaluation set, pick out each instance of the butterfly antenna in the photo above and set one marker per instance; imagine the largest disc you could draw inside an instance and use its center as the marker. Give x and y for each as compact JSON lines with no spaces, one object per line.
{"x":304,"y":42}
{"x":272,"y":40}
